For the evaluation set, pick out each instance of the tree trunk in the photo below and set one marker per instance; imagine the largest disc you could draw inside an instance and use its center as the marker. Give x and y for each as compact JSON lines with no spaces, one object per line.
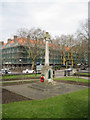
{"x":33,"y":64}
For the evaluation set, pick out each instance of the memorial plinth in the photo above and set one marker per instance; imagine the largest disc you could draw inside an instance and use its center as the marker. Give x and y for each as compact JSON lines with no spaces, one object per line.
{"x":44,"y":86}
{"x":47,"y":73}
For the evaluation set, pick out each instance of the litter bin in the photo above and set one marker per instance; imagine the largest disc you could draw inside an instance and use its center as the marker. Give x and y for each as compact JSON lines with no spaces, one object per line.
{"x":68,"y":72}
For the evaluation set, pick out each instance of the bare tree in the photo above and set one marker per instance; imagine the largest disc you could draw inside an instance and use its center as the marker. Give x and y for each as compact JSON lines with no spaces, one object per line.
{"x":82,"y":40}
{"x":63,"y":42}
{"x":33,"y":42}
{"x":83,"y":30}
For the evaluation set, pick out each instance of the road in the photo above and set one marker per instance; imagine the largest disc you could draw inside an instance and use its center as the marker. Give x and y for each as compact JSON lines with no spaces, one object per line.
{"x":60,"y":73}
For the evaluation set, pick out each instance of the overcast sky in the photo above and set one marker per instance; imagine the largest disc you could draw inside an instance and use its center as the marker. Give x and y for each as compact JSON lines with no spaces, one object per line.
{"x":54,"y":16}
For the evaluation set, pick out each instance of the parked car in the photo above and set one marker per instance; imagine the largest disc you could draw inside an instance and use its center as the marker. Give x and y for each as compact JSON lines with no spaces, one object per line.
{"x":5,"y":71}
{"x":28,"y":71}
{"x":8,"y":72}
{"x":70,"y":68}
{"x":83,"y":68}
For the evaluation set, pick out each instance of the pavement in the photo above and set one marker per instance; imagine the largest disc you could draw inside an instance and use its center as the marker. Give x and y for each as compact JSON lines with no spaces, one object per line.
{"x":33,"y":93}
{"x":60,"y":74}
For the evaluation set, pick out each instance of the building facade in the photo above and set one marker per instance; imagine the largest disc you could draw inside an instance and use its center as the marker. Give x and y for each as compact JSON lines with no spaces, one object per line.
{"x":15,"y":57}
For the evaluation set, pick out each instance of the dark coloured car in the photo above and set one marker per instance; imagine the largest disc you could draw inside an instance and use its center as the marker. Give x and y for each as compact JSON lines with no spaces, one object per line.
{"x":83,"y":68}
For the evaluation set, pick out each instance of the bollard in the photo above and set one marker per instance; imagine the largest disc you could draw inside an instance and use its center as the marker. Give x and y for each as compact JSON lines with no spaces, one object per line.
{"x":65,"y":73}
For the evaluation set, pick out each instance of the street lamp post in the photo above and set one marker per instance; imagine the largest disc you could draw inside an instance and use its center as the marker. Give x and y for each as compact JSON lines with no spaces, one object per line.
{"x":36,"y":49}
{"x":20,"y":60}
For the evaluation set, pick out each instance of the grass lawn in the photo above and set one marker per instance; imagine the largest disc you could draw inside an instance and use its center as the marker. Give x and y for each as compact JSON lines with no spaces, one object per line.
{"x":22,"y":81}
{"x":20,"y":76}
{"x":71,"y":105}
{"x":77,"y":79}
{"x":63,"y":78}
{"x":83,"y":73}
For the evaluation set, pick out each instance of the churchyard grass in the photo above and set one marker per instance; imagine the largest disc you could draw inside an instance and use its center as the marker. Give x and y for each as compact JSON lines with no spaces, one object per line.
{"x":20,"y":76}
{"x":77,"y":79}
{"x":71,"y":105}
{"x":83,"y":73}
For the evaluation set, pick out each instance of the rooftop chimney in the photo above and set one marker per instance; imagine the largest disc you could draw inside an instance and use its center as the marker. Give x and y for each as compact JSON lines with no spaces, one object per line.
{"x":2,"y":43}
{"x":15,"y":38}
{"x":28,"y":38}
{"x":9,"y":40}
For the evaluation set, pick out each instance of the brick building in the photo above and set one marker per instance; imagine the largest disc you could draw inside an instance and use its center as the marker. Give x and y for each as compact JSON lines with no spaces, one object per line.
{"x":15,"y":56}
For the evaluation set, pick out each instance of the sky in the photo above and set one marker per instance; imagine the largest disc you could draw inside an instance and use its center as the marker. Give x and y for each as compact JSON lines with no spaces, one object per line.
{"x":54,"y":16}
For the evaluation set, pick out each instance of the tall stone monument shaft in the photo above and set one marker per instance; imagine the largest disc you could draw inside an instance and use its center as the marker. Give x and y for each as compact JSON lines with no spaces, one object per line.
{"x":47,"y":53}
{"x":47,"y":70}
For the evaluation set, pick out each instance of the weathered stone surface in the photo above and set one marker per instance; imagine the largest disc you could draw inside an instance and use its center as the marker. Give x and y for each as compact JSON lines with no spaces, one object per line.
{"x":44,"y":85}
{"x":32,"y":93}
{"x":45,"y":71}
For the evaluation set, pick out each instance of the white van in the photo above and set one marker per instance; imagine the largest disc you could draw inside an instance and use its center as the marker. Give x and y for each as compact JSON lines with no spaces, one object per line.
{"x":39,"y":68}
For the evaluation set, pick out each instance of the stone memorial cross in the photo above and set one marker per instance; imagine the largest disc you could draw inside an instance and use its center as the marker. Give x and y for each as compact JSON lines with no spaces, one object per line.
{"x":47,"y":37}
{"x":47,"y":70}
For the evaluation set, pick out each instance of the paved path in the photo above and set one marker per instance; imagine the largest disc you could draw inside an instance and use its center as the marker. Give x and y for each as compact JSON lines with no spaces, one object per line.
{"x":26,"y":91}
